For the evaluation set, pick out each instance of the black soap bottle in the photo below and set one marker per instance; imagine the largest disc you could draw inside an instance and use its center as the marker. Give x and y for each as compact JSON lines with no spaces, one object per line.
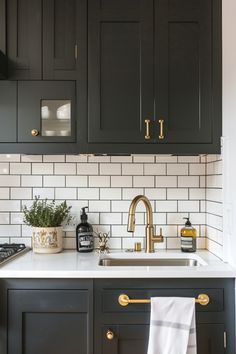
{"x":84,"y":234}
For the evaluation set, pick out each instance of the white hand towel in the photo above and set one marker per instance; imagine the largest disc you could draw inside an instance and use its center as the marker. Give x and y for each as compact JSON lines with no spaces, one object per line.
{"x":172,"y":326}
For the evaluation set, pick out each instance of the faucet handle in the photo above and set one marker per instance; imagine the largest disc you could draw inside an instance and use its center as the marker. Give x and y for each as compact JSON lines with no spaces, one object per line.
{"x":159,"y":238}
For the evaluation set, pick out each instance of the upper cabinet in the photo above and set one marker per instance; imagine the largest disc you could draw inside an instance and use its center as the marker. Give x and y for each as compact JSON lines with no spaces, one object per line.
{"x":134,"y":76}
{"x":120,"y":77}
{"x":43,"y":38}
{"x":24,"y":39}
{"x":154,"y":76}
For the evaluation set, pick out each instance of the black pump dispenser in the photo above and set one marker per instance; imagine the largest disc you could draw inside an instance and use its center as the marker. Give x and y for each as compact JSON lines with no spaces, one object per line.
{"x":187,"y":223}
{"x":84,"y":233}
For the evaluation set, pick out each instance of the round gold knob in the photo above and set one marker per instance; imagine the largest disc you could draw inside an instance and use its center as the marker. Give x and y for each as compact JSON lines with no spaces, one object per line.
{"x":110,"y":335}
{"x":34,"y":132}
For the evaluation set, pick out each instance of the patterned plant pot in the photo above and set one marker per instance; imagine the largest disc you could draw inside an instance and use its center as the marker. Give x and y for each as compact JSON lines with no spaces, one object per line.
{"x":47,"y":239}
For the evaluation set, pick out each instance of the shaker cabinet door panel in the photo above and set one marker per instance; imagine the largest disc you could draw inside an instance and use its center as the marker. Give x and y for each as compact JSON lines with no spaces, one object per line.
{"x":184,"y":70}
{"x":61,"y":38}
{"x":48,"y":321}
{"x":120,"y":70}
{"x":24,"y":39}
{"x":8,"y":111}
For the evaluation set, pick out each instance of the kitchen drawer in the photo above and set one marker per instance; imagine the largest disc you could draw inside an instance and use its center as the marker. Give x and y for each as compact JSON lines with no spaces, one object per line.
{"x":109,"y":298}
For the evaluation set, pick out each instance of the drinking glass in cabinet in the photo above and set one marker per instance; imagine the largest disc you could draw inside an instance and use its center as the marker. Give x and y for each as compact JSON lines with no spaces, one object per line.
{"x":56,"y":117}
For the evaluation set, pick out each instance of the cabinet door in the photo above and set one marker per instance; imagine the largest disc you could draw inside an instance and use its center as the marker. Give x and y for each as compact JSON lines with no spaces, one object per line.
{"x":24,"y":40}
{"x":184,"y":71}
{"x":48,"y":321}
{"x":8,"y":115}
{"x":134,"y":339}
{"x":127,"y":339}
{"x":46,"y":111}
{"x":120,"y":70}
{"x":62,"y":26}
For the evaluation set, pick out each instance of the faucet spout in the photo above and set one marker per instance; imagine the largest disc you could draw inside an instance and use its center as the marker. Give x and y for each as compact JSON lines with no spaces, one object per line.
{"x":150,"y":237}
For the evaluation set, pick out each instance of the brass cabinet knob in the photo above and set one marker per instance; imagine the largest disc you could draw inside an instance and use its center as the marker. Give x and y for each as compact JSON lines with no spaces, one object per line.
{"x":34,"y":132}
{"x":110,"y":335}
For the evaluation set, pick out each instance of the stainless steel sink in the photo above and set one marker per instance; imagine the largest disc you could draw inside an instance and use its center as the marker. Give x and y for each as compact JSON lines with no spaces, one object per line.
{"x":145,"y":262}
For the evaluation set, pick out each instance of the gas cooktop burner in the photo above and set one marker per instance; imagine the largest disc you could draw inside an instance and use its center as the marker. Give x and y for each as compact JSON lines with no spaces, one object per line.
{"x":9,"y":251}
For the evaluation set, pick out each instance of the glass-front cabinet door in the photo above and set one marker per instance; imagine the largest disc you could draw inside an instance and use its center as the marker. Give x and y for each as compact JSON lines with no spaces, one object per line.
{"x":46,"y":111}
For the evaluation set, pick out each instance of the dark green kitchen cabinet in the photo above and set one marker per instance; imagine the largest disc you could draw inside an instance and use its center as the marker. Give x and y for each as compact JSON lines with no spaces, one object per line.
{"x":49,"y":317}
{"x":154,"y":76}
{"x":23,"y":39}
{"x":120,"y":70}
{"x":125,"y":329}
{"x":45,"y":38}
{"x":64,"y":23}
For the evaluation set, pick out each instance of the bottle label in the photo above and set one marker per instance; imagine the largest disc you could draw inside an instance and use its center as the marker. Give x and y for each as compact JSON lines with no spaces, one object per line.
{"x":85,"y":241}
{"x":186,"y":242}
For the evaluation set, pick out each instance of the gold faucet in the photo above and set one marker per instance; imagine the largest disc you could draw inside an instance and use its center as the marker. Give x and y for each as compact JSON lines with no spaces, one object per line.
{"x":151,"y":238}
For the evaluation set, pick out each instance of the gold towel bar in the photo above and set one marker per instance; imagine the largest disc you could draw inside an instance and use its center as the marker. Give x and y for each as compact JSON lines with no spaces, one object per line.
{"x":124,"y":300}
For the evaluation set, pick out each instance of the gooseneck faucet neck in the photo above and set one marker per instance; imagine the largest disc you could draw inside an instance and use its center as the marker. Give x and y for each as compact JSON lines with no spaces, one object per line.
{"x":150,"y":237}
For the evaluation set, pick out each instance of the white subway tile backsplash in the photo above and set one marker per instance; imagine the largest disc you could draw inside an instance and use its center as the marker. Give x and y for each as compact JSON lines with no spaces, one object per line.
{"x":177,"y":169}
{"x":99,"y":206}
{"x":4,"y":218}
{"x":5,"y":193}
{"x":65,"y":193}
{"x":110,"y":169}
{"x":88,"y":193}
{"x":76,"y":181}
{"x":155,"y":169}
{"x":42,"y":168}
{"x":166,"y":181}
{"x":21,"y":168}
{"x":31,"y":181}
{"x":87,"y":168}
{"x":132,"y":169}
{"x":188,"y":206}
{"x":9,"y":181}
{"x":4,"y":168}
{"x":188,"y":181}
{"x":21,"y":193}
{"x":53,"y":158}
{"x":121,"y":181}
{"x":176,"y":186}
{"x":143,"y":181}
{"x":110,"y":193}
{"x":9,"y":158}
{"x":65,"y":168}
{"x":99,"y":181}
{"x":177,"y":193}
{"x":43,"y":193}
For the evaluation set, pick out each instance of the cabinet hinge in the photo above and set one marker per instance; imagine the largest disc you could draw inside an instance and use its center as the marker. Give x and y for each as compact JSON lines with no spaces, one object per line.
{"x":76,"y":51}
{"x":225,"y":340}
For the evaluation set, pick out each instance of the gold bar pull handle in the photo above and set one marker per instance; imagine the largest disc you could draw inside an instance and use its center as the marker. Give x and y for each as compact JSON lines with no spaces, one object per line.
{"x":147,"y":123}
{"x":124,"y":300}
{"x":76,"y":51}
{"x":161,"y":131}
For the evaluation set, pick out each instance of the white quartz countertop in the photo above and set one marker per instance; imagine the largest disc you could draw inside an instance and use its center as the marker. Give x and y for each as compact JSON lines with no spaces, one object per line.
{"x":71,"y":264}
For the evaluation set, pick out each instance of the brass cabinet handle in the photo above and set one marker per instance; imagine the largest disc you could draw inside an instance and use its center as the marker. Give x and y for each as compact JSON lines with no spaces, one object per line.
{"x":124,"y":300}
{"x":161,"y":131}
{"x":110,"y":335}
{"x":147,"y":123}
{"x":34,"y":132}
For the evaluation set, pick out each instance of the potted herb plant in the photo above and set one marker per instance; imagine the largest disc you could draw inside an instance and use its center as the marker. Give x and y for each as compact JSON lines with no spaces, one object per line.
{"x":47,"y":218}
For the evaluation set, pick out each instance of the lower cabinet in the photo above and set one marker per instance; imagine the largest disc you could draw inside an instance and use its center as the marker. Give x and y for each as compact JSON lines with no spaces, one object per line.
{"x":125,"y":329}
{"x":81,"y":316}
{"x":49,"y":319}
{"x":134,"y":339}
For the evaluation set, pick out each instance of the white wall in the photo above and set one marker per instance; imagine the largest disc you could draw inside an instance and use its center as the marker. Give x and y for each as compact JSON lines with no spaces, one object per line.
{"x":229,"y":128}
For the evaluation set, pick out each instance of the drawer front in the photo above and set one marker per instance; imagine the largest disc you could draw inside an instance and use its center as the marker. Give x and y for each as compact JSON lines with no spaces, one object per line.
{"x":109,"y":299}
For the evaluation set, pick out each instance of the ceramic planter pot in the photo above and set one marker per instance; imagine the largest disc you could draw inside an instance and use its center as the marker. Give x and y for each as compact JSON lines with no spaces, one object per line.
{"x":47,"y":239}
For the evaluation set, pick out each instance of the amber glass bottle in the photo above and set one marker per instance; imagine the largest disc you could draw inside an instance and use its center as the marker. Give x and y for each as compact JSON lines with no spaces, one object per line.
{"x":188,"y":237}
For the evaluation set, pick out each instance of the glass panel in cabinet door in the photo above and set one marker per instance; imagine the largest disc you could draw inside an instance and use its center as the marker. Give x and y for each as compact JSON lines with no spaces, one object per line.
{"x":56,"y":117}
